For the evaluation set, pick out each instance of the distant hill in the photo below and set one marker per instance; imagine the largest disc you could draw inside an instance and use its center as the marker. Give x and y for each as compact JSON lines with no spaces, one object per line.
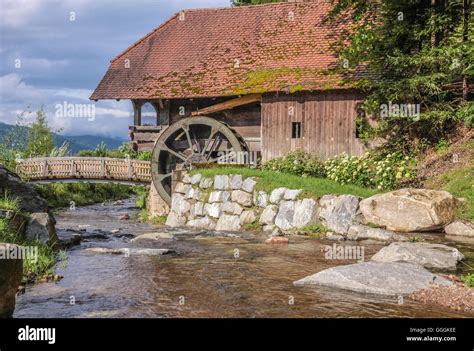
{"x":76,"y":143}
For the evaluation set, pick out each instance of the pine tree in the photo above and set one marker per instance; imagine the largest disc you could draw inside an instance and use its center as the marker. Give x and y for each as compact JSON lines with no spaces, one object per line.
{"x":40,"y":141}
{"x":417,"y":52}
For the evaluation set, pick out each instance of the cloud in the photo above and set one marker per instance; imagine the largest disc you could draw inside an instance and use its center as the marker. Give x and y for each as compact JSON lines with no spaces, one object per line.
{"x":16,"y":13}
{"x":14,"y":89}
{"x":64,"y":60}
{"x":81,"y":94}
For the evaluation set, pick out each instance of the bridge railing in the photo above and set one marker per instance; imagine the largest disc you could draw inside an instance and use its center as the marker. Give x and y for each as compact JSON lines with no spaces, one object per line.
{"x":93,"y":168}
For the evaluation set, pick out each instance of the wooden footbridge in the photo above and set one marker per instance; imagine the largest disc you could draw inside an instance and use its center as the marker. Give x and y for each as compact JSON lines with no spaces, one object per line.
{"x":84,"y":169}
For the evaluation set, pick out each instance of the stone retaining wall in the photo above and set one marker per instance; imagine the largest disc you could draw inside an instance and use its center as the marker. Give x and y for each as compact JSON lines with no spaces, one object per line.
{"x":232,"y":203}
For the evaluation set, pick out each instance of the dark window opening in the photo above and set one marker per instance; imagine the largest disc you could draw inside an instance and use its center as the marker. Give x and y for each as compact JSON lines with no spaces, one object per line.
{"x":296,"y":130}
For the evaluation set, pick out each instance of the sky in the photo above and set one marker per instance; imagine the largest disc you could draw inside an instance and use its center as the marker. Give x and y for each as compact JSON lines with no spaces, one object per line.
{"x":53,"y":53}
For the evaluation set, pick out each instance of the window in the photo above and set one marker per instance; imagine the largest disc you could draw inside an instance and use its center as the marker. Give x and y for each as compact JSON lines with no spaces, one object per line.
{"x":296,"y":130}
{"x":149,"y":115}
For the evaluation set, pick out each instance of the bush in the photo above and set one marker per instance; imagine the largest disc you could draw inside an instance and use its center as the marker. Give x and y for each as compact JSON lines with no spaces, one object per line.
{"x":299,"y":163}
{"x":468,"y":280}
{"x":81,"y":194}
{"x":371,"y":170}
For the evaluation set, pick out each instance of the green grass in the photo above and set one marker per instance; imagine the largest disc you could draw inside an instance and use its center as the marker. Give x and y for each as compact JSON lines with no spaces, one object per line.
{"x":254,"y":226}
{"x":61,"y":195}
{"x":144,"y":216}
{"x":313,"y":187}
{"x":460,"y":183}
{"x":8,"y":203}
{"x":468,"y":280}
{"x":33,"y":270}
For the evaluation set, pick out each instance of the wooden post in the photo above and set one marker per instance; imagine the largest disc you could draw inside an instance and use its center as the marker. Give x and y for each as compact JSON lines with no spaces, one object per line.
{"x":130,"y":169}
{"x":103,"y":170}
{"x":73,"y":168}
{"x":164,"y":114}
{"x":45,"y":169}
{"x":137,"y":112}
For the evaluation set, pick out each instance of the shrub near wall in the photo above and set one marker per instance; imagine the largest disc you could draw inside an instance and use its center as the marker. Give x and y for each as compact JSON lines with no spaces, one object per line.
{"x":371,"y":170}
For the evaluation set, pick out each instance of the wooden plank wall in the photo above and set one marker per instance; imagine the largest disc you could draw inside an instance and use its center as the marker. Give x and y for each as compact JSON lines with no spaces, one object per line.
{"x":328,"y":124}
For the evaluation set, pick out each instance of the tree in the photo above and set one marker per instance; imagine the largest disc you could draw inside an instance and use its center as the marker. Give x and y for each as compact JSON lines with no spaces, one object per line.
{"x":416,"y":52}
{"x":40,"y":140}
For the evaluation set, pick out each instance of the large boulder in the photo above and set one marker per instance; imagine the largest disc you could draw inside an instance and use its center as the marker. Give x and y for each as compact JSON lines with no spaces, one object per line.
{"x":460,"y":228}
{"x":248,"y":217}
{"x":236,"y":181}
{"x":219,"y":196}
{"x":40,"y":227}
{"x":193,"y":194}
{"x":242,"y":197}
{"x":11,"y":271}
{"x":338,"y":212}
{"x":206,"y":183}
{"x":182,"y":188}
{"x":28,"y":198}
{"x":410,"y":210}
{"x":363,"y":232}
{"x":228,"y":223}
{"x":214,"y":210}
{"x":197,"y":209}
{"x":195,"y":179}
{"x":306,"y":213}
{"x":232,"y":208}
{"x":285,"y":215}
{"x":432,"y":256}
{"x":277,"y":195}
{"x":381,"y":278}
{"x":202,"y":223}
{"x":291,"y":194}
{"x":268,"y":215}
{"x":152,"y":237}
{"x":221,"y":182}
{"x":179,"y":204}
{"x":248,"y":185}
{"x":175,"y":220}
{"x":260,"y":199}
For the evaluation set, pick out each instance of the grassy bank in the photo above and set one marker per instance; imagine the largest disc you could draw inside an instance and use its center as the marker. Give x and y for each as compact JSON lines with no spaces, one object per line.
{"x":460,"y":183}
{"x":61,"y":195}
{"x":33,"y":269}
{"x":455,"y":177}
{"x":314,"y":187}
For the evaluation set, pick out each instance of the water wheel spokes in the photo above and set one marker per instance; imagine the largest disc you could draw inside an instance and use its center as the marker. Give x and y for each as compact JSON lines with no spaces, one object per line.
{"x":190,"y":142}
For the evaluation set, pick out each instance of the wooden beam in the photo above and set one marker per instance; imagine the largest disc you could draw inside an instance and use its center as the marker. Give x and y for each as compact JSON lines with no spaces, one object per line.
{"x":227,"y":105}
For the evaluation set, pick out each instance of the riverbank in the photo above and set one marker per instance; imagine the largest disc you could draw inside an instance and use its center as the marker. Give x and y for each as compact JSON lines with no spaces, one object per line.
{"x":212,"y":274}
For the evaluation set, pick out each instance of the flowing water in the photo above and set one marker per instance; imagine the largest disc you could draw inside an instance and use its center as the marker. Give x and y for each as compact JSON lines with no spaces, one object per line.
{"x":211,"y":275}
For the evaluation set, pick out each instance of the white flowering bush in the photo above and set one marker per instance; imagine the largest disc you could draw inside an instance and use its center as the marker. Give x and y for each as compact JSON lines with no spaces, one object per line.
{"x":371,"y":170}
{"x":298,"y":162}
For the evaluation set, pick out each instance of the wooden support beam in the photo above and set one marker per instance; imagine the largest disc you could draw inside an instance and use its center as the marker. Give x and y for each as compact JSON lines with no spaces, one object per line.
{"x":227,"y":105}
{"x":137,"y":112}
{"x":164,"y":114}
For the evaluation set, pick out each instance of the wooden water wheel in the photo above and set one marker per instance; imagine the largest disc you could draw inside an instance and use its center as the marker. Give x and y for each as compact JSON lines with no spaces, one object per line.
{"x":190,"y":142}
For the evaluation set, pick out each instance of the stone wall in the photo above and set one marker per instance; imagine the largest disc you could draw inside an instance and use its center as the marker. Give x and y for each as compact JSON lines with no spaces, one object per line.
{"x":232,"y":203}
{"x":155,"y":205}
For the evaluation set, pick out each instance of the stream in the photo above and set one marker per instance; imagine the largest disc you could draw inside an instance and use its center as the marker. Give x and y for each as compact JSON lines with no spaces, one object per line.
{"x":211,"y":275}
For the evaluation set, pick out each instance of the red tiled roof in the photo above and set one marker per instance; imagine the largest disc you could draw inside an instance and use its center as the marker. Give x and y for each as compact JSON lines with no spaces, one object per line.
{"x":229,"y":51}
